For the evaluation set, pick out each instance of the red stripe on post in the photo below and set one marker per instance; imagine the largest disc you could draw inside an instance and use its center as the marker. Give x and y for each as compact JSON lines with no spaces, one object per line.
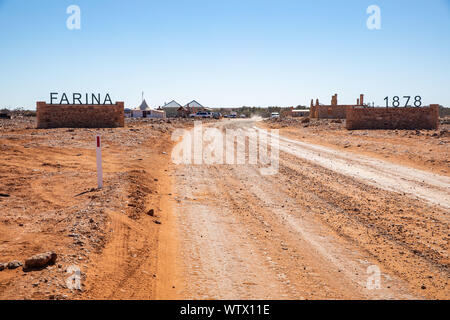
{"x":98,"y":142}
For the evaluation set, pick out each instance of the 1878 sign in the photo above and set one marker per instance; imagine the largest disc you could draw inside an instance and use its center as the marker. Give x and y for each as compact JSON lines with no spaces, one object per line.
{"x":78,"y":98}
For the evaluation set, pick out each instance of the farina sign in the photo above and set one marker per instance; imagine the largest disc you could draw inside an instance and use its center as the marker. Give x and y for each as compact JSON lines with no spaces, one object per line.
{"x":78,"y":98}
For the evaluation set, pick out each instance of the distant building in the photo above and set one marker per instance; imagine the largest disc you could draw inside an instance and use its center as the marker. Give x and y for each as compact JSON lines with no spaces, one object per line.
{"x":161,"y":114}
{"x":171,"y":104}
{"x":127,"y":112}
{"x":194,"y":106}
{"x":145,"y":112}
{"x":183,"y":112}
{"x":171,"y":108}
{"x":300,"y":113}
{"x":189,"y":108}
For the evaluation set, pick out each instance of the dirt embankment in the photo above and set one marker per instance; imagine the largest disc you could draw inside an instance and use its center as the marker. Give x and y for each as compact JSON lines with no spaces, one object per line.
{"x":50,"y":202}
{"x":422,"y":149}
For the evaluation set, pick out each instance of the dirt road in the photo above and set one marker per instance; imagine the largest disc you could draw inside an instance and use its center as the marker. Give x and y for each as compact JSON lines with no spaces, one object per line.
{"x":383,"y":174}
{"x":319,"y":228}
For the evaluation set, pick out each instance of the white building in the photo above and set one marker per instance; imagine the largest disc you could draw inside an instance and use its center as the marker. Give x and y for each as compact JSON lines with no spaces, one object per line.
{"x":145,"y":112}
{"x":300,"y":113}
{"x":161,"y":114}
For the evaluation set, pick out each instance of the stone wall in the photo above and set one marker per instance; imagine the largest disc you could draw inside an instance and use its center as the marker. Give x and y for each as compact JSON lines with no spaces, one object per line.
{"x":393,"y":118}
{"x":79,"y":116}
{"x":328,"y":112}
{"x":333,"y":110}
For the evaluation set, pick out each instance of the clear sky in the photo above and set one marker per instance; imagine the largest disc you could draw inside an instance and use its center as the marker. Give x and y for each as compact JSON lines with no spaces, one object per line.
{"x":225,"y":53}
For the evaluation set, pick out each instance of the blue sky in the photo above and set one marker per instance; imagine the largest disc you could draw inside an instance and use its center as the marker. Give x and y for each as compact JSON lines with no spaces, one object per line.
{"x":225,"y":53}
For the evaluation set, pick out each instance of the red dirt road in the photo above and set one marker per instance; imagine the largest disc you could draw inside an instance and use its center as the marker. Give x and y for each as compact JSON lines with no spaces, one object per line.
{"x":314,"y":230}
{"x":319,"y":228}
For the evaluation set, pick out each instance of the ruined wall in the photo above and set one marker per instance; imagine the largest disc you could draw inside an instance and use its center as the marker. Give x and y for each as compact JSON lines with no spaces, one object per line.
{"x":393,"y":118}
{"x":328,"y":112}
{"x":314,"y":112}
{"x":332,"y":111}
{"x":79,"y":116}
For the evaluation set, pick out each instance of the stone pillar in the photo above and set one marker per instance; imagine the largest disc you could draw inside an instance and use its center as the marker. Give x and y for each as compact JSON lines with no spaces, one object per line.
{"x":334,"y":100}
{"x":40,"y":105}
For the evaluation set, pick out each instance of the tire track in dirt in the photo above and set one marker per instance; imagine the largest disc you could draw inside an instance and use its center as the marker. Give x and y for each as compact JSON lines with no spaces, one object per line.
{"x":416,"y":183}
{"x":220,"y":260}
{"x":407,"y":236}
{"x":337,"y":252}
{"x":283,"y":235}
{"x":131,"y":263}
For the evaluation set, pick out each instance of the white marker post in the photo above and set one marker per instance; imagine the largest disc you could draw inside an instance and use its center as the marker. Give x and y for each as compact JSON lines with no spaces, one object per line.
{"x":99,"y":163}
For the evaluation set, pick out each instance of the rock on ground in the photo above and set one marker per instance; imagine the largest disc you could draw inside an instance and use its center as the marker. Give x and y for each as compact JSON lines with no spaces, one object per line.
{"x":40,"y":260}
{"x":14,"y":264}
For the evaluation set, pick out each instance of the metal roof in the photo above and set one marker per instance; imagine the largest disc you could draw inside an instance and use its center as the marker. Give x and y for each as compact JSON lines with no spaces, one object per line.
{"x":144,"y":106}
